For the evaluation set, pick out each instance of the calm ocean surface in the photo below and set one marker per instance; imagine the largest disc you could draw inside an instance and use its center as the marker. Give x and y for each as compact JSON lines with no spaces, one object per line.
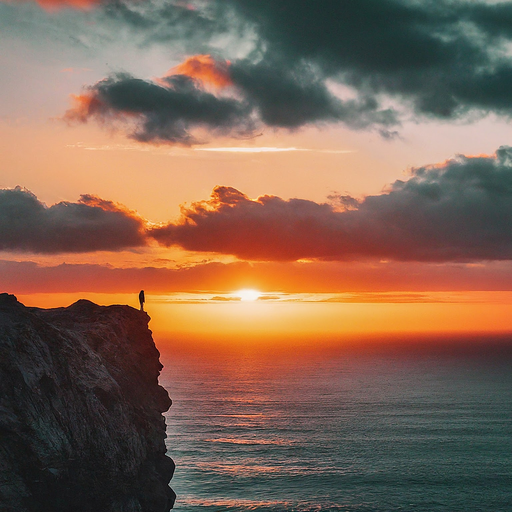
{"x":346,"y":430}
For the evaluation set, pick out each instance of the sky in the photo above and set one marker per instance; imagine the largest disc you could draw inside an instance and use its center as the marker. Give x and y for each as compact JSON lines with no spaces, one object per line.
{"x":349,"y":161}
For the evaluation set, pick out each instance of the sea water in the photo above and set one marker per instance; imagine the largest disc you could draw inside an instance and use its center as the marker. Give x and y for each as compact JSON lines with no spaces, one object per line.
{"x":337,"y":430}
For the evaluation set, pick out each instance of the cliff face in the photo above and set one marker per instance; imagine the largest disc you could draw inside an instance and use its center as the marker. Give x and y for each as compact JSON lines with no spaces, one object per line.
{"x":81,"y":425}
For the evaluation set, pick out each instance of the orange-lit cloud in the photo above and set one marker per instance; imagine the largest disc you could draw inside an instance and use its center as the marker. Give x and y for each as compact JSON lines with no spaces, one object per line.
{"x":83,"y":107}
{"x":205,"y":69}
{"x":106,"y":205}
{"x":458,"y":211}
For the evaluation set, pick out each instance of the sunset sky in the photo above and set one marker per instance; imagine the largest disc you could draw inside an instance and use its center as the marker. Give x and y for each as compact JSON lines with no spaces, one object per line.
{"x":349,"y":161}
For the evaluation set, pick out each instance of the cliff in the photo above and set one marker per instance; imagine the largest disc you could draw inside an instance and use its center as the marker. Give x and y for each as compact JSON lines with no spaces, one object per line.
{"x":81,"y":425}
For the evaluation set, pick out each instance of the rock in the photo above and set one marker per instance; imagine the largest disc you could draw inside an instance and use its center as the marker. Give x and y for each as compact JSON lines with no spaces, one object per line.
{"x":81,"y":424}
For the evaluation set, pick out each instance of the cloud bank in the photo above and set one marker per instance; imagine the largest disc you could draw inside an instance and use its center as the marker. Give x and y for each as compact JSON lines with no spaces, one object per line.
{"x":460,"y":210}
{"x":91,"y":224}
{"x":220,"y":98}
{"x":444,"y":60}
{"x":456,"y":211}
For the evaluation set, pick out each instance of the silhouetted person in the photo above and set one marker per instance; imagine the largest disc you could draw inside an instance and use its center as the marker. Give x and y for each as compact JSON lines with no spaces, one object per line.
{"x":142,"y":300}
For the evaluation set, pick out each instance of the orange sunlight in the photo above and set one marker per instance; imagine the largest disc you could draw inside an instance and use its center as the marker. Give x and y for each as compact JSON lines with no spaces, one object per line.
{"x":201,"y":317}
{"x":248,"y":295}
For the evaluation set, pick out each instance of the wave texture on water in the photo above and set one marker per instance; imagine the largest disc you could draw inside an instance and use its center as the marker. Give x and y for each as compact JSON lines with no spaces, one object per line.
{"x":340,"y":431}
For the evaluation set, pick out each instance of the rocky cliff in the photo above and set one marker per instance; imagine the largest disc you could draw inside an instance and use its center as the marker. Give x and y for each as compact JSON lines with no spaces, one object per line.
{"x":81,"y":425}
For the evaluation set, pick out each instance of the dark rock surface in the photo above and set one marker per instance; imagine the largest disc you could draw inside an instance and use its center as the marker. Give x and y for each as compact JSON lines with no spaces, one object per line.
{"x":81,"y":425}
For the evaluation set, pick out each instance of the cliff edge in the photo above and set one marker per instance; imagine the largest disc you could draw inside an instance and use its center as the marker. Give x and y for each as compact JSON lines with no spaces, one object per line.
{"x":81,"y":425}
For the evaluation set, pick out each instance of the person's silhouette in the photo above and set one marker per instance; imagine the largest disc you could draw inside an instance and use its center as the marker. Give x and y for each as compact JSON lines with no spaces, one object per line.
{"x":142,"y":300}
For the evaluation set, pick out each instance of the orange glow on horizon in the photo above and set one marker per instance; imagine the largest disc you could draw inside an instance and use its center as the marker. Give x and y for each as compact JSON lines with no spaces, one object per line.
{"x":300,"y":163}
{"x":248,"y":295}
{"x":265,"y":323}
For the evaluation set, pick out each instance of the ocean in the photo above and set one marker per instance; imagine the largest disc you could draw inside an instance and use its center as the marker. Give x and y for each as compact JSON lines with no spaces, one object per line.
{"x":381,"y":427}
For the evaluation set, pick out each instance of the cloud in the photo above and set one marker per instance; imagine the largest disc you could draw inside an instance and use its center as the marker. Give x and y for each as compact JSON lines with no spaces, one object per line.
{"x":163,"y":112}
{"x":456,"y":211}
{"x":291,"y":96}
{"x":170,"y":108}
{"x":205,"y":69}
{"x":442,"y":59}
{"x":445,"y":59}
{"x":268,"y":228}
{"x":91,"y":224}
{"x":460,"y":210}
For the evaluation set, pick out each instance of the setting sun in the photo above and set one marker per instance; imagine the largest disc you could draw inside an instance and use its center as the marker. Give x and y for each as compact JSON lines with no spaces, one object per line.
{"x":248,"y":295}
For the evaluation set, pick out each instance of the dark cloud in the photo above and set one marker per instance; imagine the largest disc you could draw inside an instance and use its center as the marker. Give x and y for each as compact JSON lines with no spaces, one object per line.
{"x":163,"y":112}
{"x":457,"y":211}
{"x":170,"y":109}
{"x":372,"y":35}
{"x":291,"y":97}
{"x":495,"y":20}
{"x":92,"y":224}
{"x":445,"y":59}
{"x":284,"y":98}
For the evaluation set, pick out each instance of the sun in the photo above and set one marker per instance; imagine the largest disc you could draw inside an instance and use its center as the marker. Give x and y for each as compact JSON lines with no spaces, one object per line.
{"x":248,"y":295}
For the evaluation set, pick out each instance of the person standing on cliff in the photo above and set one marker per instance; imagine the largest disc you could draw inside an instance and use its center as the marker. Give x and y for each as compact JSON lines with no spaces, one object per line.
{"x":142,"y":300}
